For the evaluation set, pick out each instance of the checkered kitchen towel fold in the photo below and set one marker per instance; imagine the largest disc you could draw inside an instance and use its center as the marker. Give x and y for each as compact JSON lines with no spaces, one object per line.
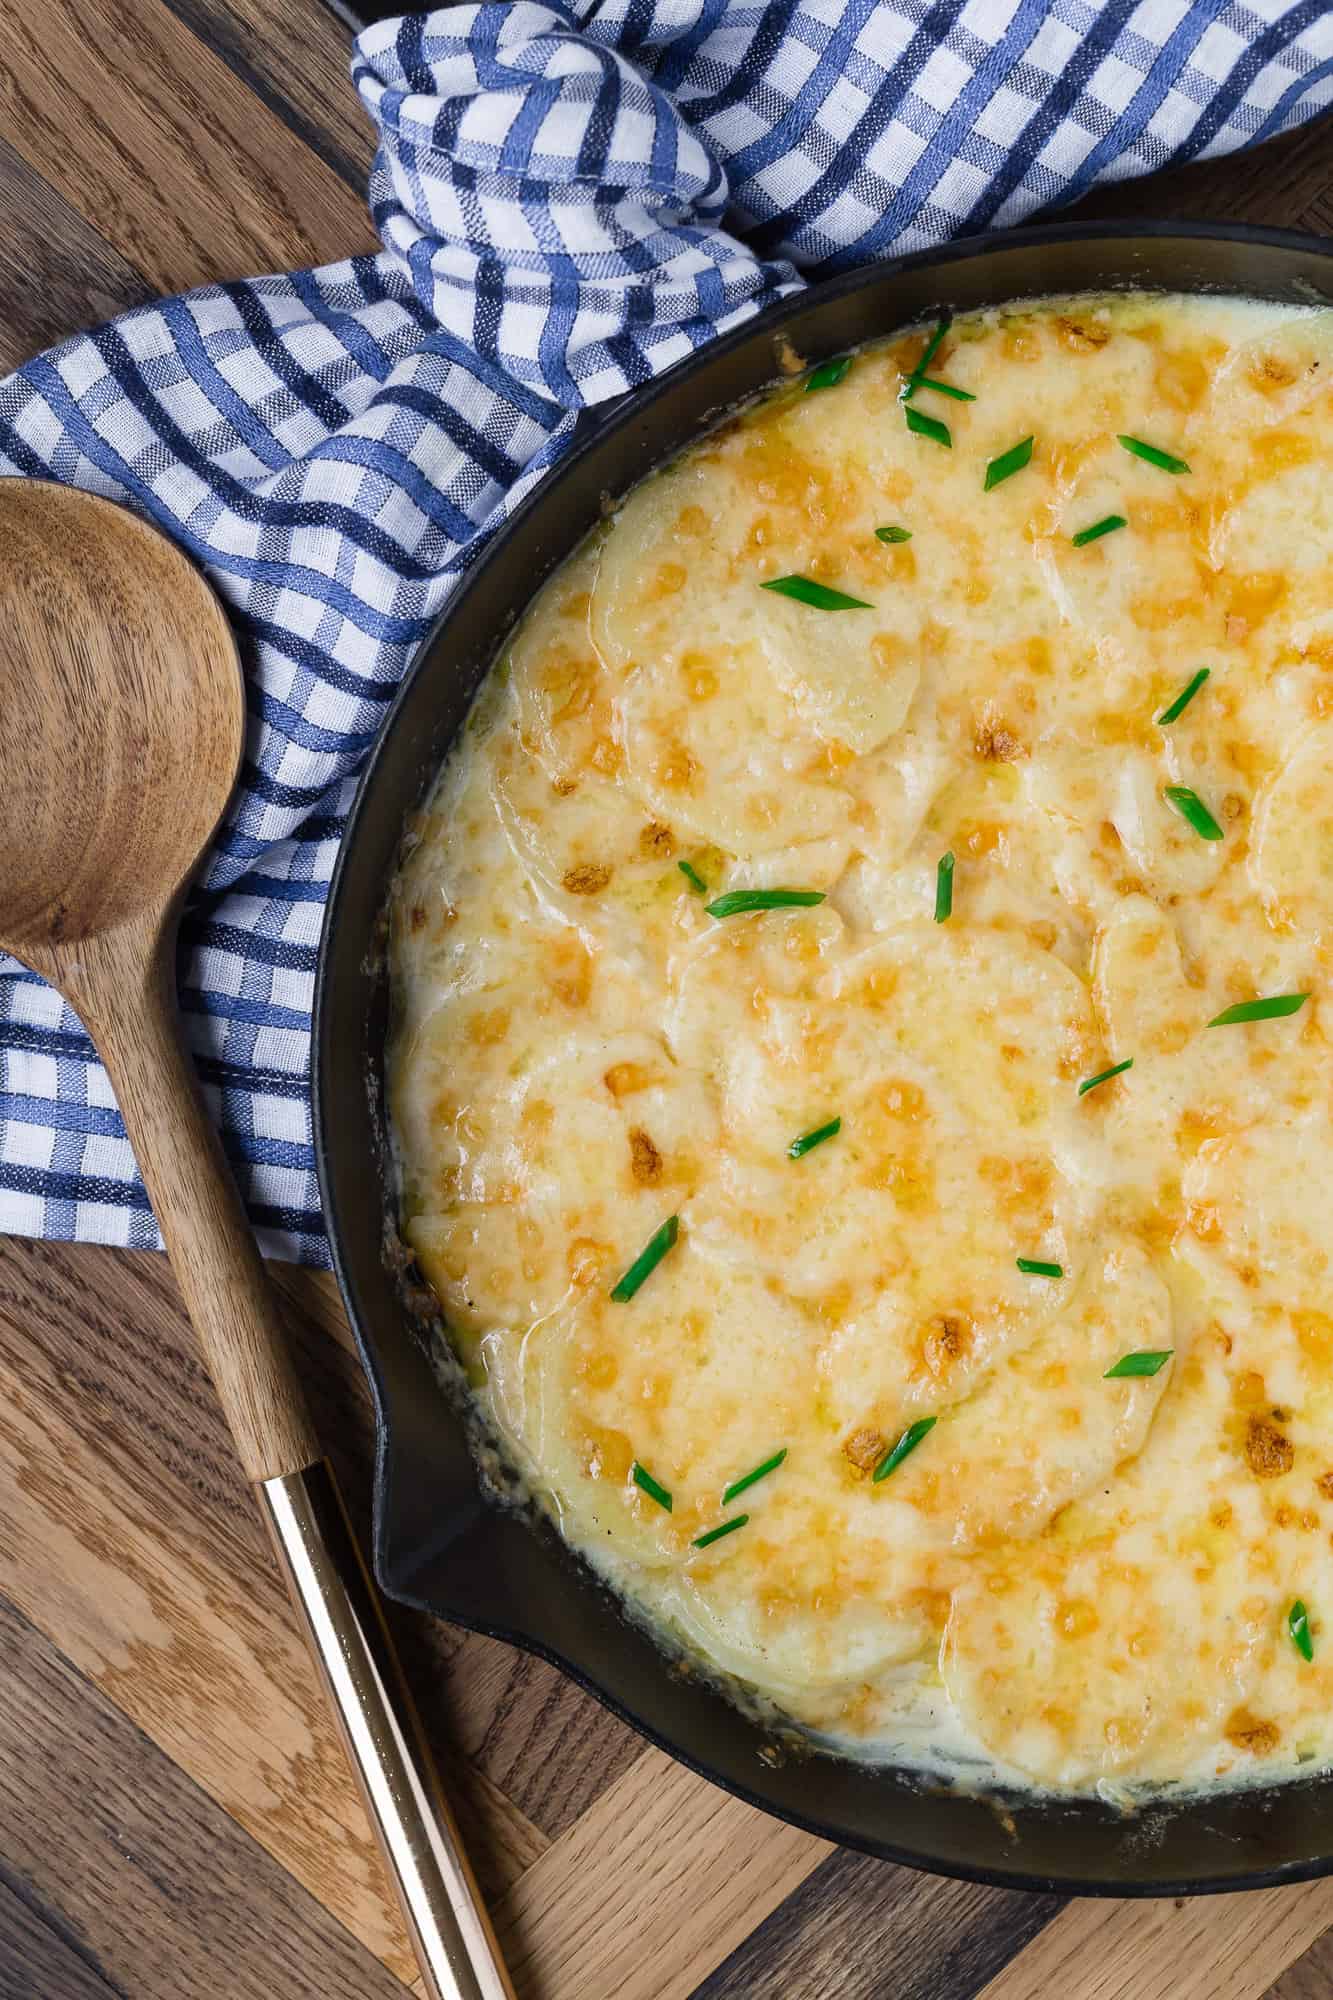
{"x":572,"y":195}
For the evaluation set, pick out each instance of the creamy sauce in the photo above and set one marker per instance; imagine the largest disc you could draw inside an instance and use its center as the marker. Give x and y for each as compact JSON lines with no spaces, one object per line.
{"x":1071,"y":1581}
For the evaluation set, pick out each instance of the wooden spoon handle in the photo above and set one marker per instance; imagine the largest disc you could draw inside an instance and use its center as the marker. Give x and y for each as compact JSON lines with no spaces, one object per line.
{"x":199,"y":1212}
{"x":131,"y":1015}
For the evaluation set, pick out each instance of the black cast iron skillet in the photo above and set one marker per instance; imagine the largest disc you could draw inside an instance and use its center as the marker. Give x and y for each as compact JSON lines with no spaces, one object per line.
{"x":438,"y":1543}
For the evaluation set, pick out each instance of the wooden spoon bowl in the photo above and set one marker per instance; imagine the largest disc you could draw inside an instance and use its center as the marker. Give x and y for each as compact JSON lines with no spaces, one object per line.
{"x":121,"y":683}
{"x":122,"y":720}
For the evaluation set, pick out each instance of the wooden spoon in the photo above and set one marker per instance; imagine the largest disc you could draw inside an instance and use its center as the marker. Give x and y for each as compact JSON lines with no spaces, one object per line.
{"x":122,"y":720}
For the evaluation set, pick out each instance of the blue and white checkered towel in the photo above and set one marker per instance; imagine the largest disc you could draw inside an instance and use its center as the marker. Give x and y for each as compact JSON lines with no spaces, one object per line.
{"x":572,"y":195}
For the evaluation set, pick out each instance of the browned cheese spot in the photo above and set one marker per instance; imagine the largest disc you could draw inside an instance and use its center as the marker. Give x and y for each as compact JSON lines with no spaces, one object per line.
{"x":586,"y":879}
{"x":656,"y":842}
{"x":946,"y":1341}
{"x":864,"y":1448}
{"x":1268,"y":1451}
{"x":995,"y":742}
{"x":624,"y":1078}
{"x":1081,"y":333}
{"x":644,"y":1159}
{"x":1249,"y":1732}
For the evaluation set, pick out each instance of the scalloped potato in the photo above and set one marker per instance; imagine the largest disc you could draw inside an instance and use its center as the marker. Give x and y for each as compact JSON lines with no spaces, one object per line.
{"x":859,"y":1075}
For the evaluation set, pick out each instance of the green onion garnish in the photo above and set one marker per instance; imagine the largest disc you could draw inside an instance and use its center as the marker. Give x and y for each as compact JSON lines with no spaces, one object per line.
{"x":829,"y":373}
{"x":809,"y":1140}
{"x":1273,"y":1009}
{"x":1192,"y":808}
{"x":1106,"y":526}
{"x":737,"y":901}
{"x":647,"y":1484}
{"x":909,"y":1441}
{"x":647,"y":1261}
{"x":920,"y":381}
{"x":927,"y":427}
{"x":893,"y":534}
{"x":693,"y":877}
{"x":1165,"y":459}
{"x":1298,"y":1625}
{"x":739,"y":1486}
{"x":1147,"y":1361}
{"x":928,"y":353}
{"x":1090,"y":1083}
{"x":944,"y":888}
{"x":1032,"y":1267}
{"x":716,"y":1534}
{"x":1008,"y":463}
{"x":1184,"y":698}
{"x":818,"y":595}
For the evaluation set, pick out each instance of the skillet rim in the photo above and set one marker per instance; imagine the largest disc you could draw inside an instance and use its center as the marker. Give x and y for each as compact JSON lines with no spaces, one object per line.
{"x":491,"y":549}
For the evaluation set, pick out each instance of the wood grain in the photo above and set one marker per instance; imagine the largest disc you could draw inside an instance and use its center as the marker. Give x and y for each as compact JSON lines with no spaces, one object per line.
{"x":1202,"y":1948}
{"x":287,"y":56}
{"x":39,"y":1960}
{"x":1308,"y":1978}
{"x":918,"y":1937}
{"x":103,"y":1826}
{"x":682,"y":1872}
{"x":163,"y":150}
{"x":54,"y":268}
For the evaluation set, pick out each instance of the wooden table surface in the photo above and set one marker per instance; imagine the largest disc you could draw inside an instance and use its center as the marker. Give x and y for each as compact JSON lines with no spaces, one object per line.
{"x":175,"y":1819}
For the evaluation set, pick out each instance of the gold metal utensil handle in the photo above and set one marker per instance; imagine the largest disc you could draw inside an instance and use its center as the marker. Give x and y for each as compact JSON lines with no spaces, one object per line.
{"x":326,"y":1574}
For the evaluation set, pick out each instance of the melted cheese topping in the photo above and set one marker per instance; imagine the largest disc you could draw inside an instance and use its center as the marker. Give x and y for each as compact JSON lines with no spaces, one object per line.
{"x":1071,"y":1581}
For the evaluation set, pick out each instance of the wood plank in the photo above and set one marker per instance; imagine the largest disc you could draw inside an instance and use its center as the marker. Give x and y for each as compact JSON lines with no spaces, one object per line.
{"x":37,"y":1962}
{"x":55,"y":271}
{"x":127,"y":1537}
{"x":652,"y":1885}
{"x":163,"y":151}
{"x":296,"y":61}
{"x":158,"y":1888}
{"x":917,"y":1936}
{"x":1196,"y":1948}
{"x":1309,"y":1977}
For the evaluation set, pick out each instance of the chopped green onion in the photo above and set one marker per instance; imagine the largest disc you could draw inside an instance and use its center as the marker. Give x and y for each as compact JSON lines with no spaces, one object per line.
{"x":1090,"y":1083}
{"x":648,"y":1259}
{"x":1146,"y":1361}
{"x":928,"y":353}
{"x":1008,"y":463}
{"x":1106,"y":526}
{"x":893,"y":534}
{"x":716,"y":1534}
{"x":944,"y":889}
{"x":1184,"y":698}
{"x":1298,"y":1625}
{"x":909,"y":1441}
{"x":817,"y":595}
{"x":737,"y":901}
{"x":1275,"y":1008}
{"x":1032,"y":1267}
{"x":920,"y":381}
{"x":693,"y":877}
{"x":1167,"y":461}
{"x":644,"y":1480}
{"x":1192,"y":808}
{"x":809,"y":1140}
{"x":927,"y":427}
{"x":739,"y":1486}
{"x":829,"y":373}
